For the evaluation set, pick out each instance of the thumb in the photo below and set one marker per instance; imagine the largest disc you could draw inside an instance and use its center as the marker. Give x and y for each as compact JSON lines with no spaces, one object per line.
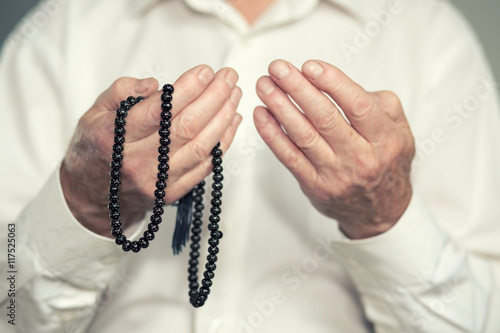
{"x":123,"y":88}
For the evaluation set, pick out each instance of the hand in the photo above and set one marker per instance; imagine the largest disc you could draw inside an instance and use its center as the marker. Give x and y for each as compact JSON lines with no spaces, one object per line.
{"x":203,"y":113}
{"x":355,"y":171}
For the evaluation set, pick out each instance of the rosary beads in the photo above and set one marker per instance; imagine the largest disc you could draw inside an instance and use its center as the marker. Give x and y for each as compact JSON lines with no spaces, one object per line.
{"x":185,"y":217}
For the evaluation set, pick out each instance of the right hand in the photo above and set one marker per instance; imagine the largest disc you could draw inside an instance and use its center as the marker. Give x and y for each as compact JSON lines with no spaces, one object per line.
{"x":203,"y":113}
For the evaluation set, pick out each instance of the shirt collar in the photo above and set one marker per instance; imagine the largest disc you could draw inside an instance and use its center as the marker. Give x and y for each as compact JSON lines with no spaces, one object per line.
{"x":359,"y":8}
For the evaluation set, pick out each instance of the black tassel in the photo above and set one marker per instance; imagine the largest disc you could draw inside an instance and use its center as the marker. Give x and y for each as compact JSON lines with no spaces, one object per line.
{"x":182,"y":222}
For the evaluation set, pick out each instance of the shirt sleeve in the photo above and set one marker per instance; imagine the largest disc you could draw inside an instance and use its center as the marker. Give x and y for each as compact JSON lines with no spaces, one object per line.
{"x":59,"y":268}
{"x":438,"y":268}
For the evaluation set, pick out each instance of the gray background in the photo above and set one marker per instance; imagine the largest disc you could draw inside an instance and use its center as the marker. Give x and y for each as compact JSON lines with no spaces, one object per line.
{"x":482,"y":14}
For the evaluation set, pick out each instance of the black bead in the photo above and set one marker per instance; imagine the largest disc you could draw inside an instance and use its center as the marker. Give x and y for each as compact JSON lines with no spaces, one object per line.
{"x":205,"y":291}
{"x":193,"y":285}
{"x":217,"y":169}
{"x":199,"y":206}
{"x":164,"y":132}
{"x":192,"y":270}
{"x":114,"y":198}
{"x":212,"y":258}
{"x":197,"y":198}
{"x":149,"y":235}
{"x":112,"y":206}
{"x":132,"y":100}
{"x":213,"y":250}
{"x":214,"y":219}
{"x":209,"y":275}
{"x":115,"y":165}
{"x":163,"y":167}
{"x":153,"y":227}
{"x":116,"y":232}
{"x":218,"y":177}
{"x":192,"y":278}
{"x":125,"y":105}
{"x":159,"y":202}
{"x":166,"y":114}
{"x":119,"y":139}
{"x":166,"y":98}
{"x":122,"y":113}
{"x":127,"y":246}
{"x":161,"y":185}
{"x":215,"y":210}
{"x":216,"y":234}
{"x":195,"y":246}
{"x":120,"y":131}
{"x":120,"y":122}
{"x":168,"y":88}
{"x":216,"y":152}
{"x":216,"y":202}
{"x":143,"y":243}
{"x":163,"y":158}
{"x":162,"y":176}
{"x":158,"y":210}
{"x":155,"y":219}
{"x":140,"y":98}
{"x":165,"y":141}
{"x":213,"y":227}
{"x":216,"y":194}
{"x":165,"y":123}
{"x":193,"y":293}
{"x":217,"y":161}
{"x":159,"y":193}
{"x":120,"y":239}
{"x":210,"y":266}
{"x":206,"y":282}
{"x":163,"y":150}
{"x":116,"y":223}
{"x":195,"y":238}
{"x":118,"y":148}
{"x":115,"y":182}
{"x":197,"y":223}
{"x":114,"y":189}
{"x":193,"y":262}
{"x":197,"y":215}
{"x":115,"y":173}
{"x":213,"y":242}
{"x":194,"y":254}
{"x":114,"y":215}
{"x":199,"y":190}
{"x":217,"y":186}
{"x":135,"y":247}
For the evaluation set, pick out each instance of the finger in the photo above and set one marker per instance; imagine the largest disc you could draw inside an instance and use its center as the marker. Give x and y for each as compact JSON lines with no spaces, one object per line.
{"x":145,"y":117}
{"x":318,"y":108}
{"x":201,"y":111}
{"x":282,"y":147}
{"x":358,"y":105}
{"x":123,"y":88}
{"x":200,"y":147}
{"x":181,"y":184}
{"x":298,"y":128}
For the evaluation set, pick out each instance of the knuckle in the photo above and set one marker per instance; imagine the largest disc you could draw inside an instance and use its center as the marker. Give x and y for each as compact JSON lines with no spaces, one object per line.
{"x":185,"y":129}
{"x":362,"y":106}
{"x":291,"y":158}
{"x":329,"y":119}
{"x":199,"y":150}
{"x":309,"y":139}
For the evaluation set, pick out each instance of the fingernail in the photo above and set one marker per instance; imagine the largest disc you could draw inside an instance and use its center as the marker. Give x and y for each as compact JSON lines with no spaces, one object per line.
{"x":231,"y":78}
{"x":235,"y":96}
{"x":206,"y":75}
{"x":279,"y":69}
{"x":237,"y":120}
{"x":313,"y":69}
{"x":266,"y":85}
{"x":143,"y":85}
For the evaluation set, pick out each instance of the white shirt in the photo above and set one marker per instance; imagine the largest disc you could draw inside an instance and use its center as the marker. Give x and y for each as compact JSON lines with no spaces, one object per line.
{"x":283,"y":267}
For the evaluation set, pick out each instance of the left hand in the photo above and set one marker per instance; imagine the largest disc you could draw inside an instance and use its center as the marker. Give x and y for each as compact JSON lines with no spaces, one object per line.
{"x":355,"y":171}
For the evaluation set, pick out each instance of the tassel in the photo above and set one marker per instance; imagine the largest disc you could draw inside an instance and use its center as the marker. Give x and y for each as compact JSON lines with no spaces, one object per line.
{"x":182,"y":222}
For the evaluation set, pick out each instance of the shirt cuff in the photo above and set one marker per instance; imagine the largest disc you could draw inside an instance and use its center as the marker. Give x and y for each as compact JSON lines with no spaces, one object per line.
{"x":66,"y":247}
{"x":404,"y":255}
